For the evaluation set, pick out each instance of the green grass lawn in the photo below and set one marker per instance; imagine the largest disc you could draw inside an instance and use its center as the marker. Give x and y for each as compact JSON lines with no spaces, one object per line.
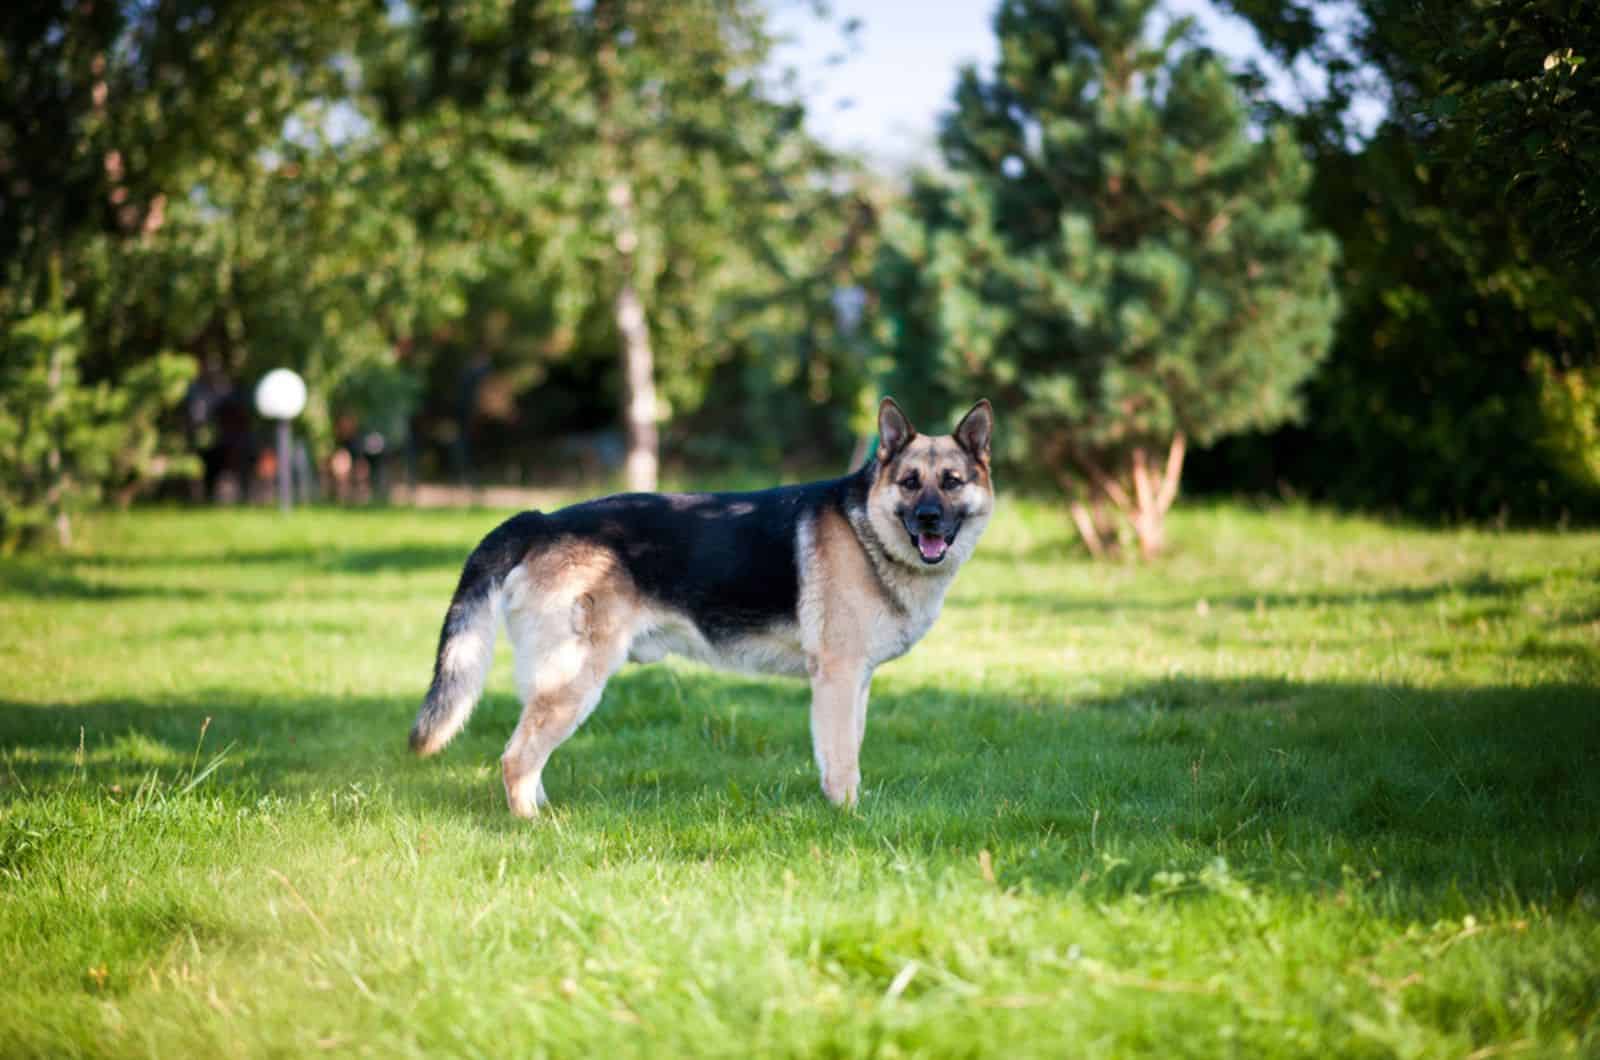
{"x":1311,"y":785}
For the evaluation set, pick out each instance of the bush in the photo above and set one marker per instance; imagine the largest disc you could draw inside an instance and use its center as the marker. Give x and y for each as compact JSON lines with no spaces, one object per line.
{"x":64,"y":444}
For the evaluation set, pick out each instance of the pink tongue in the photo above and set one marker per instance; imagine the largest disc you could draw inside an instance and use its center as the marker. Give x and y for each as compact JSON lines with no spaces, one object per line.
{"x":932,"y":545}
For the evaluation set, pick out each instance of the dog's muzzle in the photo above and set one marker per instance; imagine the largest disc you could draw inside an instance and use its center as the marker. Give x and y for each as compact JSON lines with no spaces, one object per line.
{"x":931,"y":533}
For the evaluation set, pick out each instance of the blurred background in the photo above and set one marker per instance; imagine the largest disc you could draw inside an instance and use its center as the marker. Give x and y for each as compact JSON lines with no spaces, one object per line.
{"x":1338,"y":251}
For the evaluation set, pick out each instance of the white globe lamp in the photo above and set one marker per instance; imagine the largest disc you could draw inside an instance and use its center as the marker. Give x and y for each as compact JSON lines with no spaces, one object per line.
{"x":281,"y":396}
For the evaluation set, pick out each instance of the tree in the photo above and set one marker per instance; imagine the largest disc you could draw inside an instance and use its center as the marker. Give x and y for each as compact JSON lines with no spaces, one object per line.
{"x":377,"y":194}
{"x":1502,"y":94}
{"x":167,"y":184}
{"x":1468,"y":289}
{"x":1521,"y":78}
{"x":666,"y":192}
{"x":63,"y":443}
{"x":704,"y":184}
{"x":112,"y":113}
{"x":1118,"y":258}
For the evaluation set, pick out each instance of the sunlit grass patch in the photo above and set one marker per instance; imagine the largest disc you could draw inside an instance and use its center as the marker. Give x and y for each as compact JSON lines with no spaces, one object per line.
{"x":1312,"y":784}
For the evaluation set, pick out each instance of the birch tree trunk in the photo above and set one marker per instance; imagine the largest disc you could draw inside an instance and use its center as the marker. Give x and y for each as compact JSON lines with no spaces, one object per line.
{"x":642,"y":465}
{"x":638,"y":391}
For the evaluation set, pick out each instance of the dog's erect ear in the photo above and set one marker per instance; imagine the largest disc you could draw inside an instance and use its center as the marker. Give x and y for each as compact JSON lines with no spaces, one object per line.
{"x":975,"y":429}
{"x":894,"y":430}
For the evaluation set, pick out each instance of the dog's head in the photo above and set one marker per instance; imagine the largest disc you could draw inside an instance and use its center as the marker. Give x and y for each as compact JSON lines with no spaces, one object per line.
{"x":932,"y":495}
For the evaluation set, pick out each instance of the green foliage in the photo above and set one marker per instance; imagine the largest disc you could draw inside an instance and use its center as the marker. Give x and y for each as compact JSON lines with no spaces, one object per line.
{"x":381,"y":395}
{"x":1149,"y":270}
{"x":1117,"y":259}
{"x":380,"y":196}
{"x":1520,"y":80}
{"x":1569,"y":404}
{"x":1315,"y":786}
{"x":111,"y":113}
{"x":1428,"y":404}
{"x":1501,"y":94}
{"x":650,"y":145}
{"x":65,"y":444}
{"x":180,"y":168}
{"x":1454,"y":284}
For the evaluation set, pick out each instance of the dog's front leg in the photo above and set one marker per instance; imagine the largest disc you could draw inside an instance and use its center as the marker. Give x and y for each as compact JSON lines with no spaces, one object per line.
{"x":837,"y":706}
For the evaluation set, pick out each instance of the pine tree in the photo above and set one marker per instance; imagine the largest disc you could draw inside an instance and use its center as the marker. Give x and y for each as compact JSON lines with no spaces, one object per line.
{"x":63,"y":443}
{"x":1118,"y":257}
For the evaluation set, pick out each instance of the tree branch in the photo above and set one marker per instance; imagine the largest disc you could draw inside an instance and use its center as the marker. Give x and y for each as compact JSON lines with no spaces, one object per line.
{"x":1173,"y":471}
{"x":1087,"y":530}
{"x":1105,"y":483}
{"x":1141,"y":480}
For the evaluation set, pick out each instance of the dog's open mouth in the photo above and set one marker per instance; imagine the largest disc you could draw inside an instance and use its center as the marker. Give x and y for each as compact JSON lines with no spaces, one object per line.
{"x":931,"y":546}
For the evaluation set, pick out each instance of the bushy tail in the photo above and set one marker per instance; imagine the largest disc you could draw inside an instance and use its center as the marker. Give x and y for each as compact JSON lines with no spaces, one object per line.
{"x":466,"y":642}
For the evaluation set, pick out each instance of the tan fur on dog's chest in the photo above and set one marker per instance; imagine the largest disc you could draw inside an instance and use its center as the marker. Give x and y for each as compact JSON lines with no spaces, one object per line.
{"x":853,"y":609}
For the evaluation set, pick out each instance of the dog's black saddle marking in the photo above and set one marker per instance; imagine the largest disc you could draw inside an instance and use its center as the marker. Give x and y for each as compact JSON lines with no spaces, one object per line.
{"x":727,"y":560}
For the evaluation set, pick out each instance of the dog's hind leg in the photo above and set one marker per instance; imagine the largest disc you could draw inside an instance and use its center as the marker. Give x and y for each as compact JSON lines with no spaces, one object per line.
{"x":569,"y":640}
{"x":547,"y":721}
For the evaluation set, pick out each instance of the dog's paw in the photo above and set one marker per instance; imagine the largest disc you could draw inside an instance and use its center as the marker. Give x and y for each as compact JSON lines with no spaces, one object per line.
{"x":526,"y":810}
{"x":524,"y":794}
{"x":843,"y":790}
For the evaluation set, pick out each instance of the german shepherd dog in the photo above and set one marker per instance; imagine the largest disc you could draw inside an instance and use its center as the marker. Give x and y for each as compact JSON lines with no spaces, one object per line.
{"x":827,"y":580}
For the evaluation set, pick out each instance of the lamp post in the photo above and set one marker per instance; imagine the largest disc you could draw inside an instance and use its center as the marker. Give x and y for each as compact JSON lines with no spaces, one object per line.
{"x":281,"y":396}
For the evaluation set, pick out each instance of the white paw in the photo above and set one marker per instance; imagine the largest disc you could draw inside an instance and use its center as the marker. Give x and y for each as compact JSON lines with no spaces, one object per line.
{"x":843,"y":789}
{"x":524,"y":794}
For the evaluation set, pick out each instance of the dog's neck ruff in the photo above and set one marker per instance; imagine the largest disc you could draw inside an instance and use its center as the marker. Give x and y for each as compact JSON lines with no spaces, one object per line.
{"x":903,"y":583}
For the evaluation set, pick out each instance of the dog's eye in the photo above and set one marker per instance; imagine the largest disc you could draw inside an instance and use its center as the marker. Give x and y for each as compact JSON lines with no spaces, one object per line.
{"x":911,"y":481}
{"x":952,"y":481}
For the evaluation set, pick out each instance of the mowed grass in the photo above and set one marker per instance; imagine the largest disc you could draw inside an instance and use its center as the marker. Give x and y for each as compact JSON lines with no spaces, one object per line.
{"x":1310,"y":785}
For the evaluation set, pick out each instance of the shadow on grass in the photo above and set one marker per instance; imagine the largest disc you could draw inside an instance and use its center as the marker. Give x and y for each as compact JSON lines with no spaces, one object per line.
{"x":347,"y":560}
{"x":1480,"y":587}
{"x":57,"y":581}
{"x":61,"y":578}
{"x":340,"y":558}
{"x":1488,"y":791}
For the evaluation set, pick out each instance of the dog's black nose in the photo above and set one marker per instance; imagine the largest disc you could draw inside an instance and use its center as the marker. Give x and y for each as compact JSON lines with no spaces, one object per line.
{"x":929,"y":516}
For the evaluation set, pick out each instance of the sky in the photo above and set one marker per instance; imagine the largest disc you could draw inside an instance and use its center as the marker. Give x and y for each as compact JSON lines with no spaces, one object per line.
{"x":883,"y":98}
